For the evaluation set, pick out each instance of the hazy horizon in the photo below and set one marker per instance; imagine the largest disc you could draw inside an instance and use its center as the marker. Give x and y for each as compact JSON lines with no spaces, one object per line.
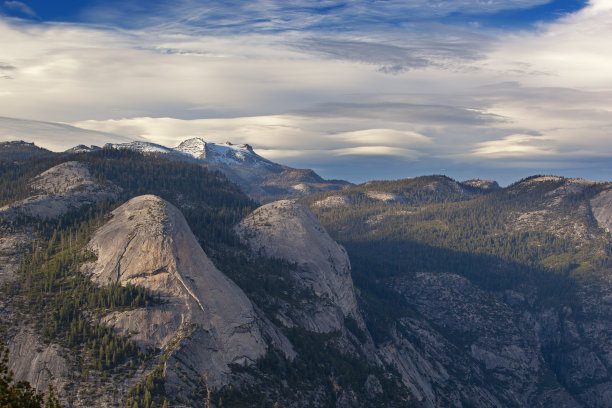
{"x":328,"y":171}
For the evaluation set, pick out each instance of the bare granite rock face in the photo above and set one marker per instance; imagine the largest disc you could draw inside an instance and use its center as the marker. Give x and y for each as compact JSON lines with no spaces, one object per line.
{"x":432,"y":368}
{"x":578,"y":343}
{"x":472,"y":334}
{"x":601,"y":205}
{"x":333,"y":201}
{"x":61,"y":187}
{"x":11,"y":251}
{"x":208,"y":319}
{"x":39,"y":364}
{"x":289,"y":231}
{"x":447,"y":186}
{"x":385,"y":196}
{"x":548,"y":213}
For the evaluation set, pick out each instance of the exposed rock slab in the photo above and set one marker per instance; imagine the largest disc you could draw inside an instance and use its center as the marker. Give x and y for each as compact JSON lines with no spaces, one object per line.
{"x":67,"y":185}
{"x":579,"y":343}
{"x":432,"y":368}
{"x":385,"y":196}
{"x":148,"y":243}
{"x":475,"y":333}
{"x":289,"y":231}
{"x":39,"y":364}
{"x":548,"y":209}
{"x":11,"y":250}
{"x":446,"y":186}
{"x":601,"y":205}
{"x":333,"y":201}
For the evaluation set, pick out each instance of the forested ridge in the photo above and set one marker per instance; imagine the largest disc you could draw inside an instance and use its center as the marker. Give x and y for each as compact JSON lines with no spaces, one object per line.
{"x":536,"y":237}
{"x":472,"y":233}
{"x":62,"y":304}
{"x":53,"y":296}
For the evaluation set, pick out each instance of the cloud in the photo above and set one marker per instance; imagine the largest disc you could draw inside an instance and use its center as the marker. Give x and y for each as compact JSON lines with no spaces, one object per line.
{"x":19,"y":7}
{"x":390,"y":58}
{"x":284,"y":154}
{"x":267,"y":132}
{"x":282,"y":138}
{"x":307,"y":82}
{"x":233,"y":17}
{"x":390,"y":137}
{"x":375,"y":151}
{"x":521,"y":146}
{"x":563,"y":52}
{"x":53,"y":136}
{"x":432,"y":114}
{"x":419,"y":46}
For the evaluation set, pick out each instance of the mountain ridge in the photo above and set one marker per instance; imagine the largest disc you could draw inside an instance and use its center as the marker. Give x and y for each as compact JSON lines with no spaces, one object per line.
{"x":439,"y":281}
{"x":259,"y":177}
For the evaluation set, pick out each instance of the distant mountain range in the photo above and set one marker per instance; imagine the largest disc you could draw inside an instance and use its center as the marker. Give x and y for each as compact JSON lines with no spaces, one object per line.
{"x":257,"y":176}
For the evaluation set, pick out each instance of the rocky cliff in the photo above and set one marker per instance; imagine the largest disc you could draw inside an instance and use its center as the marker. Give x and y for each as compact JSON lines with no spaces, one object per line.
{"x":289,"y":231}
{"x":601,"y":205}
{"x":148,"y":243}
{"x":469,"y":331}
{"x":39,"y":364}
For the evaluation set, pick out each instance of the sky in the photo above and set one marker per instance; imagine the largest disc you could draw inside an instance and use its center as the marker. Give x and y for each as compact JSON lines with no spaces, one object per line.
{"x":355,"y":89}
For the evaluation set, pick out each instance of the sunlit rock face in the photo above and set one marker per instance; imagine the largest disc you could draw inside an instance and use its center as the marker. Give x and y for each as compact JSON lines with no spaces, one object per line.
{"x":289,"y":231}
{"x":58,"y":189}
{"x":210,"y":320}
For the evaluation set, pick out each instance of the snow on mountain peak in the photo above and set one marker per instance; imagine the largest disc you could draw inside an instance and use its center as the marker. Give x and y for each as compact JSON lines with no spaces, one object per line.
{"x":145,"y":147}
{"x":195,"y":147}
{"x":221,"y":153}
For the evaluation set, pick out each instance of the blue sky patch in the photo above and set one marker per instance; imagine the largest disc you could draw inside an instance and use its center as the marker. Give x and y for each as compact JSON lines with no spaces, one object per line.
{"x":291,"y":15}
{"x":520,"y":18}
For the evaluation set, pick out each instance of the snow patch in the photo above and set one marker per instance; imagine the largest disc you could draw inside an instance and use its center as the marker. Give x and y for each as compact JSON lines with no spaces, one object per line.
{"x":210,"y":153}
{"x":144,"y":147}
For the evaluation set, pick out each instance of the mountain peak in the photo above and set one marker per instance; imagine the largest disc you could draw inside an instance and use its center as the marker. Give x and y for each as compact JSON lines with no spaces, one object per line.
{"x":221,"y":153}
{"x":144,"y":147}
{"x":254,"y":174}
{"x":20,"y":150}
{"x":287,"y":230}
{"x":148,"y":243}
{"x":82,"y":149}
{"x":488,"y":185}
{"x":195,"y":147}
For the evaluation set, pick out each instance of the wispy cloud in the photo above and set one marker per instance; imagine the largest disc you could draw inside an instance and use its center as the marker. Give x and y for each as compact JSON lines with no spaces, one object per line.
{"x":522,"y":146}
{"x":388,"y":137}
{"x":54,"y":136}
{"x":336,"y":80}
{"x":375,"y":151}
{"x":278,"y":16}
{"x":20,"y":8}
